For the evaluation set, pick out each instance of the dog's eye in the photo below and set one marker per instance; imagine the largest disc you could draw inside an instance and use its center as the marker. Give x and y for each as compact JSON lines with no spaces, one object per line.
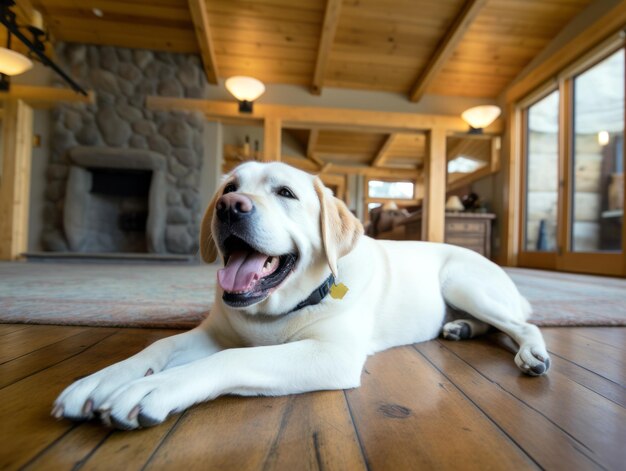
{"x":230,"y":188}
{"x":286,"y":193}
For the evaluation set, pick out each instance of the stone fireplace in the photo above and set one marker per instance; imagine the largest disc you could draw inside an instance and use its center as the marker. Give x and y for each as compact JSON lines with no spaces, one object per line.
{"x":102,"y":154}
{"x":115,"y":200}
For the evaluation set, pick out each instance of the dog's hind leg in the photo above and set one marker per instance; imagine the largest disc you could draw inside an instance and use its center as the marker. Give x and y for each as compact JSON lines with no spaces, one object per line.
{"x":461,"y":329}
{"x":495,"y":300}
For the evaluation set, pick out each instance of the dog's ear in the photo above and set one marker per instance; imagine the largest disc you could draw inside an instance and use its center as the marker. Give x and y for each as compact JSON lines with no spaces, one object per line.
{"x":339,"y":227}
{"x":208,"y":249}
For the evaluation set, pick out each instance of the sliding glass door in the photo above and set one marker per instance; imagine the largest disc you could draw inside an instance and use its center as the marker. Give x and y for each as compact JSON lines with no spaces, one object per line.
{"x":573,"y":173}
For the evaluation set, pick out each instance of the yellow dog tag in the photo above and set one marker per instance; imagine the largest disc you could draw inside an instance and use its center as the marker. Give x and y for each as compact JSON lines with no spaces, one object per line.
{"x":338,"y":291}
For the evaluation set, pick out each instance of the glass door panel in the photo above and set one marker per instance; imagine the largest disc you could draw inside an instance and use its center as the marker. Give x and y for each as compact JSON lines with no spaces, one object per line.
{"x":597,"y":171}
{"x":542,"y":182}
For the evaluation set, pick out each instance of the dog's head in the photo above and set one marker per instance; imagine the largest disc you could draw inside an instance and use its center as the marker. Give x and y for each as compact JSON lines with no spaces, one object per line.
{"x":279,"y":232}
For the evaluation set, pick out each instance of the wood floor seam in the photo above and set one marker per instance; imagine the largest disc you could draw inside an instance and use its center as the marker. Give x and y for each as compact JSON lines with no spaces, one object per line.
{"x":569,"y":435}
{"x":356,"y":430}
{"x":586,"y":369}
{"x":59,"y":362}
{"x":482,"y":411}
{"x":163,"y":440}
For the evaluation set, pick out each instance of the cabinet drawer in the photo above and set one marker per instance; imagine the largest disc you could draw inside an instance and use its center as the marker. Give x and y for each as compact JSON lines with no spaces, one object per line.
{"x":464,"y":240}
{"x":465,"y":226}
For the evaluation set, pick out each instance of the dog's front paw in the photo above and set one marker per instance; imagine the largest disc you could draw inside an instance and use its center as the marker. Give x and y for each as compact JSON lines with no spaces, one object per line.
{"x":533,"y":360}
{"x":142,"y":403}
{"x":81,"y":399}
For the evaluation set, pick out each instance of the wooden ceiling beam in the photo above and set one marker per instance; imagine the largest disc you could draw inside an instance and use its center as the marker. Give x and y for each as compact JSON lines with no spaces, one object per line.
{"x":45,"y":97}
{"x":310,"y":148}
{"x":200,"y":18}
{"x":327,"y":38}
{"x":383,"y":152}
{"x":308,"y":117}
{"x":446,"y":47}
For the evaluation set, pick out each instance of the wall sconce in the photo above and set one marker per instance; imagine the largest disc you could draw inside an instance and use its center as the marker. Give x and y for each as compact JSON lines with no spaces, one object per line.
{"x":479,"y":117}
{"x":246,"y":90}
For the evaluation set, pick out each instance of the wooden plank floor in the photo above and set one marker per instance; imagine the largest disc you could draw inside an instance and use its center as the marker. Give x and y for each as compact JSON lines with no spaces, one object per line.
{"x":435,"y":405}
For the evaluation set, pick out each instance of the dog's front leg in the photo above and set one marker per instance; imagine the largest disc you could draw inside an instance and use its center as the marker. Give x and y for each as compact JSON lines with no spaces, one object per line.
{"x":296,"y":367}
{"x":79,"y":400}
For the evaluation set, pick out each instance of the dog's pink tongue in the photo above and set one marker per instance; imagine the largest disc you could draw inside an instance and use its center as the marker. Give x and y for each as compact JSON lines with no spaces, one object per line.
{"x":242,"y":269}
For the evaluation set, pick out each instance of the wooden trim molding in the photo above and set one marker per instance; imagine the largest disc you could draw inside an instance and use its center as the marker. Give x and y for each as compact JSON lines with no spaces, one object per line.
{"x":446,"y":47}
{"x":271,"y":140}
{"x":327,"y":38}
{"x":200,"y":18}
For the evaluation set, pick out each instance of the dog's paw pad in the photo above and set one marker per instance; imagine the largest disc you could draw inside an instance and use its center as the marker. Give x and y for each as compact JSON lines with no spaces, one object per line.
{"x":456,"y":330}
{"x":532,"y":362}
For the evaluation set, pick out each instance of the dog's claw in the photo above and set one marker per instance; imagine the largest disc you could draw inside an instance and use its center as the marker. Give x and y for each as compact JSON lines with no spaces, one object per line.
{"x":57,"y":411}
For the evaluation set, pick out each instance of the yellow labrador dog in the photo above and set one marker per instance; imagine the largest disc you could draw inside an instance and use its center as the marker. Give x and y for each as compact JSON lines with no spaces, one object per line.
{"x":303,"y":299}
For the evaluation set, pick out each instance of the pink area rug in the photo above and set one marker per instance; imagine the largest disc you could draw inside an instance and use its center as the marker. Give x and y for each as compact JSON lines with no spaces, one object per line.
{"x":180,"y":295}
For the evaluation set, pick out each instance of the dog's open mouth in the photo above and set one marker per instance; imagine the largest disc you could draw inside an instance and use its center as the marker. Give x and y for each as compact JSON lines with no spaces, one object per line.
{"x":249,"y":275}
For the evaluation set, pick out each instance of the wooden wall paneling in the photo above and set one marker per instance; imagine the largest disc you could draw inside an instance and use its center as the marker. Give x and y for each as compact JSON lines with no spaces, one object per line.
{"x":327,"y":38}
{"x":271,"y":140}
{"x":446,"y":47}
{"x":435,"y":191}
{"x":17,"y":131}
{"x":202,"y":26}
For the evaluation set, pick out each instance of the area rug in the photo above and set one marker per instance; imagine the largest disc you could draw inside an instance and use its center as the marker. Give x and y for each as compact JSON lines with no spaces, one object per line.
{"x":180,"y":295}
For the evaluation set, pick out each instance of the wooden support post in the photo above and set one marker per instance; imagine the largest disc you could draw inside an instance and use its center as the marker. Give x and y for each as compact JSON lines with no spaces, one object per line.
{"x":433,"y":227}
{"x":511,"y":190}
{"x":17,"y":132}
{"x":271,"y":140}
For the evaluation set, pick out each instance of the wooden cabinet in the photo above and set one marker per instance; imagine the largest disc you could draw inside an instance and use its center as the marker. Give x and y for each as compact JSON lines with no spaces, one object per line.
{"x":469,"y":230}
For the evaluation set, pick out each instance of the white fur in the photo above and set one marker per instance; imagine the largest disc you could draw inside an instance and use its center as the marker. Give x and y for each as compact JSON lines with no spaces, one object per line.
{"x":398,"y":292}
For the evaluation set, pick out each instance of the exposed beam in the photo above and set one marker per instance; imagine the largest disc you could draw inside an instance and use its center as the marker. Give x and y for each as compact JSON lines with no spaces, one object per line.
{"x":381,"y":156}
{"x":45,"y":97}
{"x":446,"y":47}
{"x":200,"y":18}
{"x":433,"y":226}
{"x":271,"y":140}
{"x":307,"y":117}
{"x":310,"y":148}
{"x":331,"y":20}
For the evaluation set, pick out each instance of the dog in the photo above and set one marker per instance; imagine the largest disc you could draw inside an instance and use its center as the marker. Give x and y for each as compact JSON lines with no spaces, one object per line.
{"x":303,"y":298}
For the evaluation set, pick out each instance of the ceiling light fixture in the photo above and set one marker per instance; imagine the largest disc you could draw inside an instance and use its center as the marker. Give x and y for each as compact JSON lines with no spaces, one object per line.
{"x":36,"y":45}
{"x":13,"y":63}
{"x":246,"y":90}
{"x":479,"y":117}
{"x":99,"y":13}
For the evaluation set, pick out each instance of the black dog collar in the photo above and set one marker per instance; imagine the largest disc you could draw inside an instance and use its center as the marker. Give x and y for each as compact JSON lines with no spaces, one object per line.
{"x":316,"y":296}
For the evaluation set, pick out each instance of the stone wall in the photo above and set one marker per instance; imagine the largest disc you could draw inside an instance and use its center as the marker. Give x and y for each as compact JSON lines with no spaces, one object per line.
{"x":122,"y":78}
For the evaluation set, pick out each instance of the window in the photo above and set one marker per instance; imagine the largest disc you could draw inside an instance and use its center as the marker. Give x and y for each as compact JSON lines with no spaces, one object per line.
{"x":391,"y":190}
{"x":542,"y":164}
{"x":597,"y":170}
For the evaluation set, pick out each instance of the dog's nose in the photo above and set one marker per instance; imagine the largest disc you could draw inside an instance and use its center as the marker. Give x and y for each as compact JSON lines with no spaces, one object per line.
{"x":233,"y":207}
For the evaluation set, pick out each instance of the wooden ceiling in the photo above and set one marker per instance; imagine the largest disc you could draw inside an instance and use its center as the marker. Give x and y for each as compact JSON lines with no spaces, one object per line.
{"x":397,"y":150}
{"x":449,"y":47}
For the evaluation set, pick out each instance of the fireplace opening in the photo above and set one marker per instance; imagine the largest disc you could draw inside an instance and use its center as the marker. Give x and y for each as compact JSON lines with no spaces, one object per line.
{"x":119,"y":208}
